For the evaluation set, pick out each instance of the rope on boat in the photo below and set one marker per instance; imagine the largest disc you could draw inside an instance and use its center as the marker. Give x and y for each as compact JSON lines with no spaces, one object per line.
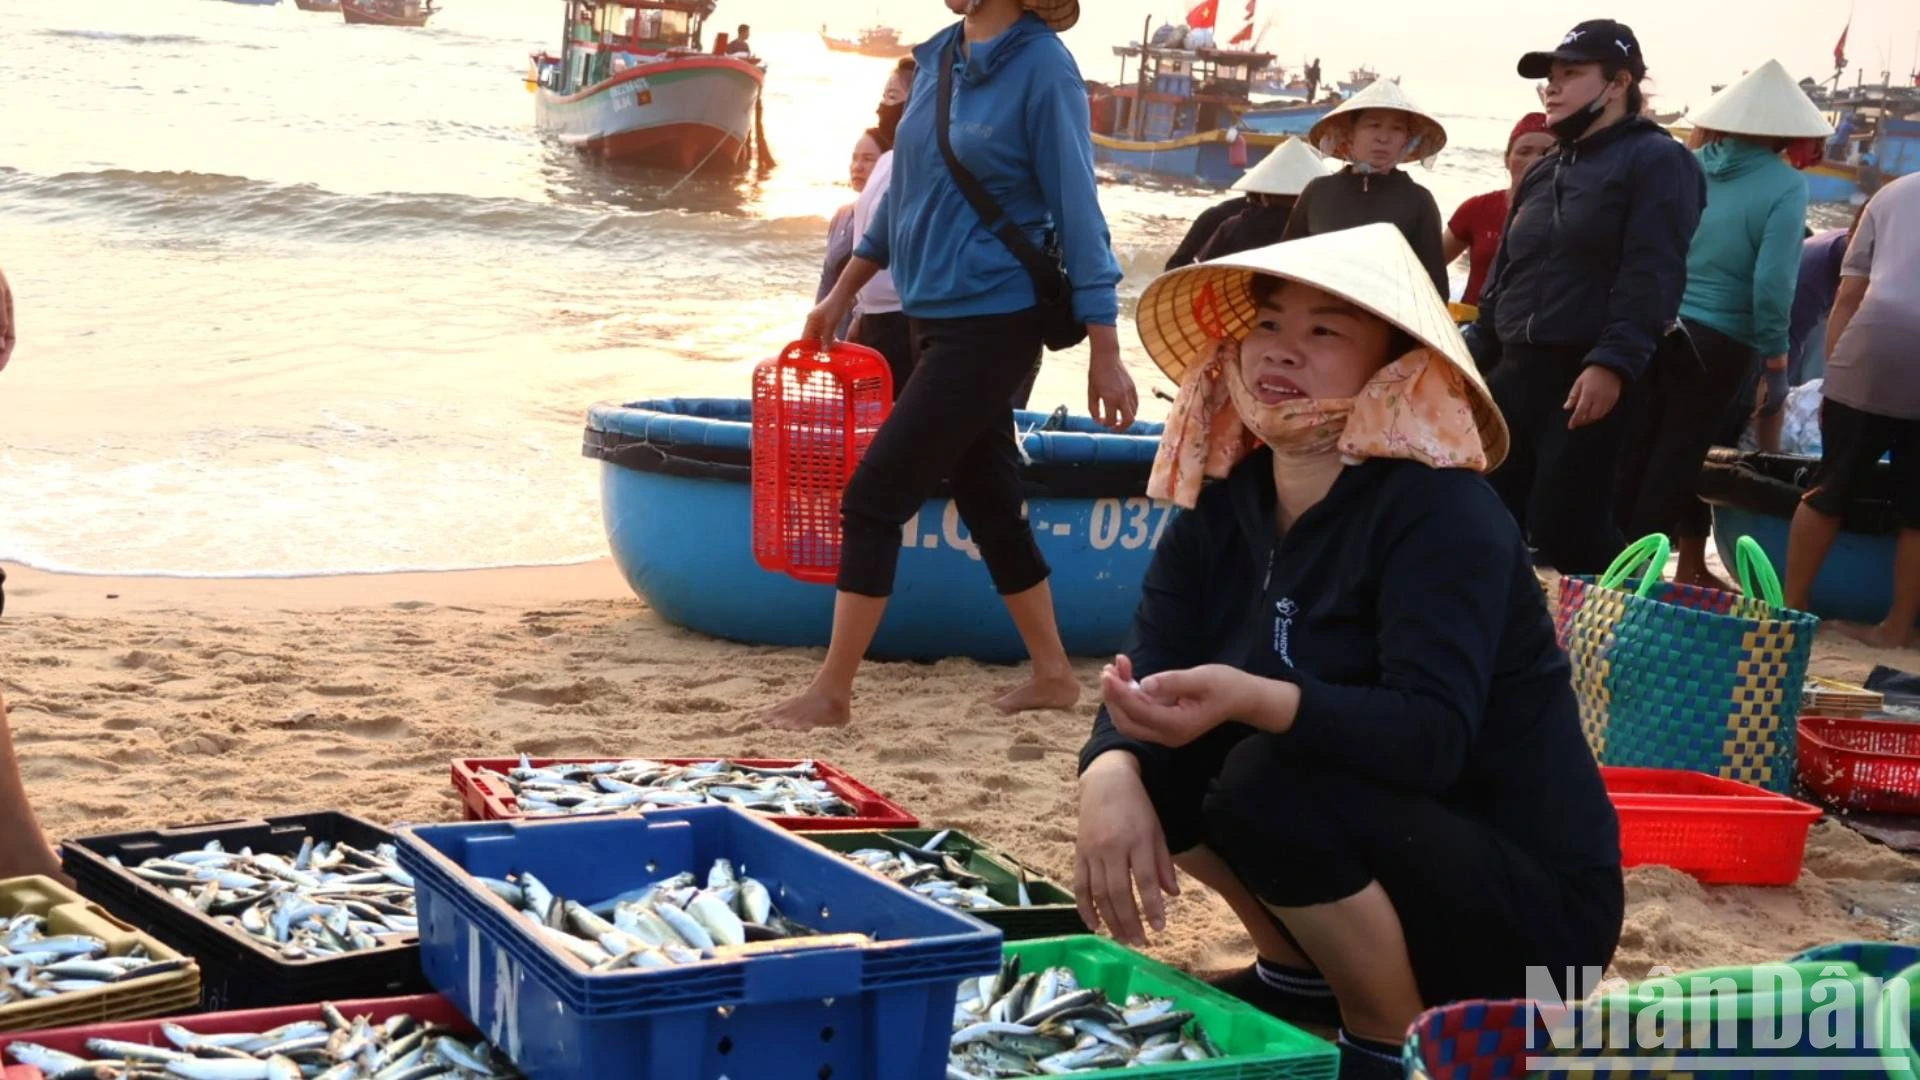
{"x":718,"y":143}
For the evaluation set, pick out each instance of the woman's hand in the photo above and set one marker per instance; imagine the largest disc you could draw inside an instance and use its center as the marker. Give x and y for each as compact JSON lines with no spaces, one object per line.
{"x":824,"y":319}
{"x":1174,"y":708}
{"x":1111,"y":397}
{"x":1594,"y":395}
{"x":1120,"y":848}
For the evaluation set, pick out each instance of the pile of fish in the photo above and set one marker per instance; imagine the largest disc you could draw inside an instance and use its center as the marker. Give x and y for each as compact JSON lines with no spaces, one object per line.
{"x":330,"y":899}
{"x":1044,"y":1024}
{"x":602,"y":786}
{"x":672,"y":921}
{"x":333,"y":1048}
{"x":934,"y":874}
{"x":37,"y":965}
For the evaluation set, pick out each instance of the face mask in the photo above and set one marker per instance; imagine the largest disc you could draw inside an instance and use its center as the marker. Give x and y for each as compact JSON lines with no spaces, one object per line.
{"x":1576,"y":125}
{"x":1301,"y":427}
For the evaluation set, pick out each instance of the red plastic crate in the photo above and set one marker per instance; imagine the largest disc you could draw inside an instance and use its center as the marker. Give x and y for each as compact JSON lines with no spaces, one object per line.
{"x":487,"y":798}
{"x":1871,"y":765}
{"x":1722,"y":832}
{"x":428,"y":1007}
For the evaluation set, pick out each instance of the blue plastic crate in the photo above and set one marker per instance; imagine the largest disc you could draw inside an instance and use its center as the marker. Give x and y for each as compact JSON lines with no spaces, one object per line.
{"x":875,"y":1011}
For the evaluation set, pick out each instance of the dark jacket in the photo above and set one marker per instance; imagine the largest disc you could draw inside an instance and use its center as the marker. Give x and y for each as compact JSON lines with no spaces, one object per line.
{"x":1202,"y":230}
{"x":1405,"y":607}
{"x":1254,"y":227}
{"x":1348,"y":199}
{"x":1595,"y":252}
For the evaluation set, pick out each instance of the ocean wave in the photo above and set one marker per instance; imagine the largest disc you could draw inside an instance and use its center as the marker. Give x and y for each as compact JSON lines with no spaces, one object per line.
{"x":576,"y":214}
{"x":130,"y":39}
{"x":54,"y":566}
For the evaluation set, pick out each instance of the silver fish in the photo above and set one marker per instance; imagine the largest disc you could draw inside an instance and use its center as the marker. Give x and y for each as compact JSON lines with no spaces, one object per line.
{"x":34,"y":966}
{"x":327,"y":899}
{"x":561,"y":789}
{"x":933,"y":874}
{"x":1044,"y":1024}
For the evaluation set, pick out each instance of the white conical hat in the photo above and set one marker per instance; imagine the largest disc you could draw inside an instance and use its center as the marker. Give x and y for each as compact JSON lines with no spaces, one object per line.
{"x":1373,"y":267}
{"x":1765,"y":102}
{"x":1059,"y":14}
{"x":1286,"y":170}
{"x":1331,"y":133}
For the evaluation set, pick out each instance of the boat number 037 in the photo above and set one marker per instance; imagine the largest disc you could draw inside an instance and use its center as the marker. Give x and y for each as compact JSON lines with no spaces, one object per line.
{"x":1130,"y":523}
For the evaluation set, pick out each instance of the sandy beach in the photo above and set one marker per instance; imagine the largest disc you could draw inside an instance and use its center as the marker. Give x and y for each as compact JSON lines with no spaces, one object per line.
{"x":141,"y":702}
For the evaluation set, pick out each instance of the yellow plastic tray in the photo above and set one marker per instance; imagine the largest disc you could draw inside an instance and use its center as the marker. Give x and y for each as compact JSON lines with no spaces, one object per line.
{"x":67,"y":912}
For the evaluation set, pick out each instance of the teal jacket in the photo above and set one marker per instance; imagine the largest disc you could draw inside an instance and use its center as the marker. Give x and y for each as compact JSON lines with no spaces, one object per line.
{"x":1744,"y":262}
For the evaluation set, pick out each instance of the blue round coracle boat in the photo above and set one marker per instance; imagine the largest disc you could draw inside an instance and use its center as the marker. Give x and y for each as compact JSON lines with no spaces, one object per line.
{"x":1755,"y":495}
{"x":675,"y":493}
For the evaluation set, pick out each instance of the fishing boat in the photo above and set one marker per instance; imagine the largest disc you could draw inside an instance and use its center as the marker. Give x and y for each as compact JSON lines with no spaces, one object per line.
{"x":676,"y":498}
{"x":882,"y":41}
{"x":632,"y":85}
{"x":1186,"y":115}
{"x":388,"y":12}
{"x":317,"y":5}
{"x":1876,"y":139}
{"x":1358,"y":79}
{"x":1755,"y":494}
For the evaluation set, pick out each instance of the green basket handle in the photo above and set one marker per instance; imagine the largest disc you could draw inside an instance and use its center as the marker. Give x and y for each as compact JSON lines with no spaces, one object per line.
{"x":1650,"y":551}
{"x":1751,"y":561}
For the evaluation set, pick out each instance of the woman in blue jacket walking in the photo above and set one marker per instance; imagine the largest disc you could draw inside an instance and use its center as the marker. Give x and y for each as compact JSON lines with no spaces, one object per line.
{"x":1587,"y":281}
{"x":1742,"y":269}
{"x":1018,"y":123}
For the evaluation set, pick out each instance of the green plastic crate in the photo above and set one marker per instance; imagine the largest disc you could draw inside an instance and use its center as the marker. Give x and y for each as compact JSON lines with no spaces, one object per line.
{"x":1052,"y":914}
{"x":1258,"y":1046}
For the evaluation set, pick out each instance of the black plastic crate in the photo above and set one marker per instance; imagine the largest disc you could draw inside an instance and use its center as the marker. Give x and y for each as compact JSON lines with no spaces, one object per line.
{"x":236,"y":971}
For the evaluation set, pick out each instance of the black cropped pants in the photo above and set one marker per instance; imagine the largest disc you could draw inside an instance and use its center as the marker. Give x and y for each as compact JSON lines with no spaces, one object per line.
{"x":1477,"y":909}
{"x":952,"y":421}
{"x":1693,"y":387}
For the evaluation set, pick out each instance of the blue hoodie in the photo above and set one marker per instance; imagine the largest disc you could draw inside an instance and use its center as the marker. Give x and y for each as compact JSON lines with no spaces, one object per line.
{"x":1744,"y":263}
{"x":1020,"y":124}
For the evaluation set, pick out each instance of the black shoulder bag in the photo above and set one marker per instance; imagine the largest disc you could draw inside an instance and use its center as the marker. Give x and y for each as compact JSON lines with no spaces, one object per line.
{"x":1060,"y":329}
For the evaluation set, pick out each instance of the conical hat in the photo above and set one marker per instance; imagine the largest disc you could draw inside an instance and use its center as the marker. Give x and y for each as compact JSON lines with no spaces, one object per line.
{"x":1059,"y":14}
{"x":1284,"y":171}
{"x":1372,"y":266}
{"x":1765,"y":102}
{"x":1330,"y":131}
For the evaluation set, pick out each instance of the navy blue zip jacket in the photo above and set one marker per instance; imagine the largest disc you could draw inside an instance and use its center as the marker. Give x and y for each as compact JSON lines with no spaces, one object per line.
{"x":1594,"y":257}
{"x":1405,"y":607}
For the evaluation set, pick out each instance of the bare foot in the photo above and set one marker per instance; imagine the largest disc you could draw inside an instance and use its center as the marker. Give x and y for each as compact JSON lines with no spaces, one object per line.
{"x":1706,"y":579}
{"x":35,"y":859}
{"x":1880,"y":637}
{"x":812,"y":709}
{"x":1048,"y":692}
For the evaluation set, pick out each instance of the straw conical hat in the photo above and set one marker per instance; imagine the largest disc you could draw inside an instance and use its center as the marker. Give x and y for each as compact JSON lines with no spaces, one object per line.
{"x":1765,"y":102}
{"x":1331,"y":131}
{"x":1059,"y":14}
{"x":1285,"y":171}
{"x":1372,"y":266}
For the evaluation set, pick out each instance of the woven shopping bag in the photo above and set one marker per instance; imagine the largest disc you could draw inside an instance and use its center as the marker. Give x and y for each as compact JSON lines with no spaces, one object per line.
{"x":1676,"y":676}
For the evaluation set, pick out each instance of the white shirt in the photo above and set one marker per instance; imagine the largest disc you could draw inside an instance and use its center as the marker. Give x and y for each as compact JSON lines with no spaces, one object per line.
{"x":878,"y":297}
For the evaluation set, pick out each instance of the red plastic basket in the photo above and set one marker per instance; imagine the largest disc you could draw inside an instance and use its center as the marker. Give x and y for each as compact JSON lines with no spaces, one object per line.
{"x":487,"y":797}
{"x":428,"y":1007}
{"x":814,"y":415}
{"x":1722,"y":832}
{"x":1855,"y":764}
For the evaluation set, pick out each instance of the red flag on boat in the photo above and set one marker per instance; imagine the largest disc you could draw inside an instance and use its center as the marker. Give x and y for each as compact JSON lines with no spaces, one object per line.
{"x":1840,"y":48}
{"x":1204,"y":16}
{"x":1246,"y":32}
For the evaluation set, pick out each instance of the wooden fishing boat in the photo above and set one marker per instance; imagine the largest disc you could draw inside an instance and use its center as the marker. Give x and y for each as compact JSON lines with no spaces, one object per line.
{"x":631,"y":84}
{"x":1186,"y":115}
{"x":881,"y":41}
{"x":317,"y":5}
{"x":388,"y":12}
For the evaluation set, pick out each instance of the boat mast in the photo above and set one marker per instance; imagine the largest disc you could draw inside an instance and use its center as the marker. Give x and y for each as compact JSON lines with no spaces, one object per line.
{"x":1140,"y":99}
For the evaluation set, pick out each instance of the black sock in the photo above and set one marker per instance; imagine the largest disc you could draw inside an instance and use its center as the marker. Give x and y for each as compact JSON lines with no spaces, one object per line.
{"x":1303,"y":982}
{"x":1389,"y":1052}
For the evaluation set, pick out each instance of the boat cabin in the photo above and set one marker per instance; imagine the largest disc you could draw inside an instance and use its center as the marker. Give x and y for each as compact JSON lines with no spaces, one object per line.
{"x":1178,"y":92}
{"x":605,"y":37}
{"x":1877,"y":128}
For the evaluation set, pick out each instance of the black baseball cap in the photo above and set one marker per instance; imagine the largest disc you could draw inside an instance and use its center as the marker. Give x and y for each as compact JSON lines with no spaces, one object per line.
{"x":1596,"y":41}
